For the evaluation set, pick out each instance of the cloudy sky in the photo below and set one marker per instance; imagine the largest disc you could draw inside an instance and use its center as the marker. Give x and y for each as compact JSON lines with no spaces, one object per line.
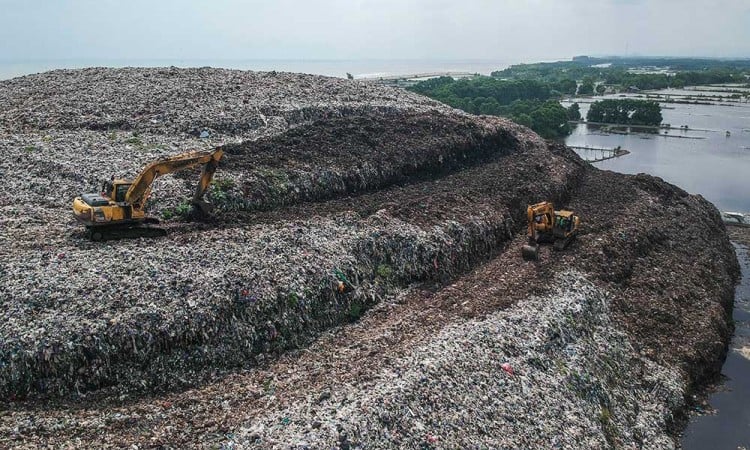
{"x":525,"y":30}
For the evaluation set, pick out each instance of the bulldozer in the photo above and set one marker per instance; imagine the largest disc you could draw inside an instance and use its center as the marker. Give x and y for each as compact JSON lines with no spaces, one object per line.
{"x":119,"y":210}
{"x":547,"y":225}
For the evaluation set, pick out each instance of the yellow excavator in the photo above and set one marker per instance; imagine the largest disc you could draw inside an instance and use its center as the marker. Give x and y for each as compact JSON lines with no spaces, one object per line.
{"x":118,"y":211}
{"x":547,"y":225}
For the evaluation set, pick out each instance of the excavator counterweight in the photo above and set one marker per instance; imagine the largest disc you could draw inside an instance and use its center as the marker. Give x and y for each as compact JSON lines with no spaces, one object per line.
{"x":118,"y":211}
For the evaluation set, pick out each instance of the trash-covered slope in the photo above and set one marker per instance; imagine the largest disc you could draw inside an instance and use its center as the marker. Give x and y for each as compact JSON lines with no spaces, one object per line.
{"x":600,"y":391}
{"x":670,"y":264}
{"x":343,"y":156}
{"x":413,"y":212}
{"x":81,"y":316}
{"x":553,"y":371}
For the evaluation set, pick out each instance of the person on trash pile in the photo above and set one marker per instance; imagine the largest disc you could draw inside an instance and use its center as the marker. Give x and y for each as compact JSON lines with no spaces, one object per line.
{"x":108,"y":186}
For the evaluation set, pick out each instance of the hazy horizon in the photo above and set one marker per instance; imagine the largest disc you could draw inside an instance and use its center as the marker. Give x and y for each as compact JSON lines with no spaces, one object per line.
{"x":338,"y":30}
{"x":435,"y":59}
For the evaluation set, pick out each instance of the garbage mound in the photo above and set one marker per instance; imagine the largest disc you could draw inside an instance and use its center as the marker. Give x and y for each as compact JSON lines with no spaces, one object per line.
{"x":179,"y":102}
{"x":376,"y":230}
{"x":551,"y":371}
{"x":342,"y":156}
{"x":439,"y":192}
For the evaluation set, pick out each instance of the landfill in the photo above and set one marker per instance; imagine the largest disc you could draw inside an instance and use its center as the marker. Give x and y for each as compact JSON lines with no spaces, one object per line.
{"x":359,"y":231}
{"x":618,"y":399}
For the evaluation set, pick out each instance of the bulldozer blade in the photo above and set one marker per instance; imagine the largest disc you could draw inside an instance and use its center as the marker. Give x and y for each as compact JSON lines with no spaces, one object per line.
{"x":530,"y":252}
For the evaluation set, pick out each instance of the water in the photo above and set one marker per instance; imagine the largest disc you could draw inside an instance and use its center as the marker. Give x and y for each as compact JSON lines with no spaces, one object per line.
{"x":335,"y":68}
{"x":701,"y":160}
{"x":730,"y":427}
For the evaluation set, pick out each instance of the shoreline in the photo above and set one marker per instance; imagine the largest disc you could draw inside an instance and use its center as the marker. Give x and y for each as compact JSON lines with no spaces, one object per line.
{"x":721,"y":405}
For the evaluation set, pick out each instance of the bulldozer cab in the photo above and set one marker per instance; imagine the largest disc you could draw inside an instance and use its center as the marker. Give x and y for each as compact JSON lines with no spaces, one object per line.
{"x":564,"y":223}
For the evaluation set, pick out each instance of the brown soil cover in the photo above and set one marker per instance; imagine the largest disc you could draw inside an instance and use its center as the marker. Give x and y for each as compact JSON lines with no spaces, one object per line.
{"x":370,"y":198}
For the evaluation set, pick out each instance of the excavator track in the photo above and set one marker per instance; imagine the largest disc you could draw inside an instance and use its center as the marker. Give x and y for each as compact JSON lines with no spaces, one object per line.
{"x":124,"y":232}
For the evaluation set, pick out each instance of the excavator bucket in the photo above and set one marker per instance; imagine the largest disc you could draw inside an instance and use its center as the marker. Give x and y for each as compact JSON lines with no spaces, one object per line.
{"x":202,"y":209}
{"x":530,"y":252}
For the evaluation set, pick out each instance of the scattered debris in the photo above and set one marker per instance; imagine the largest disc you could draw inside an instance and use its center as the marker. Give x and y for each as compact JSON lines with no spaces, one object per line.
{"x":336,"y":197}
{"x":576,"y":389}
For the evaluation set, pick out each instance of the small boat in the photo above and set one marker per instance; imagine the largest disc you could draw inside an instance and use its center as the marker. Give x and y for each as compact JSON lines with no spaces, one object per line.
{"x":728,"y":133}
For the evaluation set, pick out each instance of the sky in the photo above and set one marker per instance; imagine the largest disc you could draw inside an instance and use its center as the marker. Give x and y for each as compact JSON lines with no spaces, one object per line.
{"x":528,"y":30}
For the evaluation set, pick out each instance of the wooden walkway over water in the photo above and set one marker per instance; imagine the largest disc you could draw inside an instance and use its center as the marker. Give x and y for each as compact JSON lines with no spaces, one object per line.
{"x":601,"y":153}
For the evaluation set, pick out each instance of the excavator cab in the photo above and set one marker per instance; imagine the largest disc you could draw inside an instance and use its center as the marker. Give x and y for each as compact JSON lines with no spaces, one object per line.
{"x":565,"y":229}
{"x":119,"y":191}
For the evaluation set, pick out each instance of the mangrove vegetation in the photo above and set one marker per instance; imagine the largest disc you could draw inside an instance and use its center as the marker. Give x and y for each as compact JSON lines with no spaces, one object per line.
{"x":626,"y":112}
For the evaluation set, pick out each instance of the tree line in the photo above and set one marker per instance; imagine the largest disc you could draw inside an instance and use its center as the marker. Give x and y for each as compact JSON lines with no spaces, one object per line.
{"x":529,"y":94}
{"x":618,"y":73}
{"x":625,"y":111}
{"x":532,"y":103}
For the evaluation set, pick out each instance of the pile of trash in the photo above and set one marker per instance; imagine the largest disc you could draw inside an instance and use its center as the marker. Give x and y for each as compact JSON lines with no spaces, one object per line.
{"x":79,"y":315}
{"x":342,"y":156}
{"x":552,"y":372}
{"x":200,"y":102}
{"x":336,"y":198}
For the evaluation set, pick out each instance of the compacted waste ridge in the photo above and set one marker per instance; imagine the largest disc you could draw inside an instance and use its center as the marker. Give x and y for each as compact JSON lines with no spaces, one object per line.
{"x":332,"y":205}
{"x":220,"y":295}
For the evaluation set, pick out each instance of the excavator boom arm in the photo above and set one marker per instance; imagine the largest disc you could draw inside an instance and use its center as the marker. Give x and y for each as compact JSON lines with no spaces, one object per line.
{"x":138,"y":191}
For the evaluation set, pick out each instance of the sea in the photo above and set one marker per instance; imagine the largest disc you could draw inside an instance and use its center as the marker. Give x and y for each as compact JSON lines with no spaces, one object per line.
{"x":365,"y":68}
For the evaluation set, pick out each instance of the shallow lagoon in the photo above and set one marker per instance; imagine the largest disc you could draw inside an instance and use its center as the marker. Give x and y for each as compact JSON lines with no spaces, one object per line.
{"x":702,"y":159}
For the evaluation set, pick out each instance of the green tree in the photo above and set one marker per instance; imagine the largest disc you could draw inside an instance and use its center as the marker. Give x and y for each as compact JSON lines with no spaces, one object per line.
{"x":490,"y":106}
{"x":586,"y":89}
{"x":574,"y":112}
{"x":566,"y":86}
{"x":523,"y":119}
{"x":625,"y":111}
{"x":550,"y":120}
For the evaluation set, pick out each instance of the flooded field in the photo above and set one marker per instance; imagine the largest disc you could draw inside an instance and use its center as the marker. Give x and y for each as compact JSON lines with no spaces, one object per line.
{"x":702,"y":159}
{"x":710,"y":157}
